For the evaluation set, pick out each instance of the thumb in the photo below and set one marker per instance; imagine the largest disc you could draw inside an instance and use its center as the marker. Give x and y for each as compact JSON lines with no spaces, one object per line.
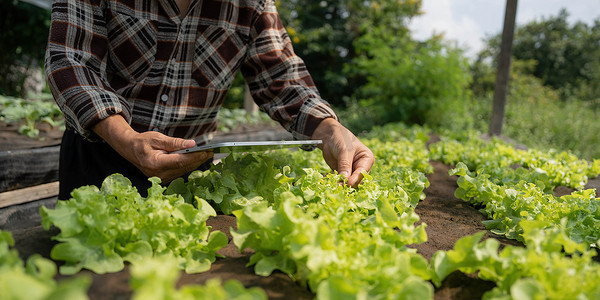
{"x":173,"y":144}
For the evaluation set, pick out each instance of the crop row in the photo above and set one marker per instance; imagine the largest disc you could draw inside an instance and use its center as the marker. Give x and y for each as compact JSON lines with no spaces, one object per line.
{"x":342,"y":242}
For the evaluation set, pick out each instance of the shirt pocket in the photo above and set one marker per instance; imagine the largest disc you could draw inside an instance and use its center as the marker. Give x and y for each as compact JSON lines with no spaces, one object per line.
{"x":218,"y":55}
{"x":132,"y":46}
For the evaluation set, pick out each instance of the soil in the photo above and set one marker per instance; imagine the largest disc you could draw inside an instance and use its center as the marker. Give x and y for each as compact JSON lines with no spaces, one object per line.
{"x":447,"y":219}
{"x":10,"y":139}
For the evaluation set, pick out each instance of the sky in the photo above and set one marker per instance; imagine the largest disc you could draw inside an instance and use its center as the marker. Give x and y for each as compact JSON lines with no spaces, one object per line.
{"x":469,"y":21}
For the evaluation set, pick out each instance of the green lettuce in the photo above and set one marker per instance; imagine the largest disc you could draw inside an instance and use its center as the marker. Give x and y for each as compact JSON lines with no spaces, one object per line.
{"x":35,"y":279}
{"x":100,"y":229}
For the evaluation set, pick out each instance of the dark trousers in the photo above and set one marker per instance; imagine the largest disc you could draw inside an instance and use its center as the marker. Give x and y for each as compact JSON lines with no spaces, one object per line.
{"x":86,"y":163}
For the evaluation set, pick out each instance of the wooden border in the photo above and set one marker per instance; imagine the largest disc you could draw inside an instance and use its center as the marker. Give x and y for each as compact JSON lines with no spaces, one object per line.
{"x":28,"y":194}
{"x":28,"y":167}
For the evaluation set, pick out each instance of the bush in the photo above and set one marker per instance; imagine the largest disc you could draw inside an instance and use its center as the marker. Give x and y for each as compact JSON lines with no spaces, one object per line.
{"x":408,"y":81}
{"x":537,"y":117}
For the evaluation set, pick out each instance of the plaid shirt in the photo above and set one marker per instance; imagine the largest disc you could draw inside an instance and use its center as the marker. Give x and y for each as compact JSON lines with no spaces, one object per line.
{"x":138,"y":58}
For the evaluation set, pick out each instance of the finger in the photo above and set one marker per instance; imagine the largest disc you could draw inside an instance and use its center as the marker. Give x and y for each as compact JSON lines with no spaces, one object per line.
{"x":170,"y":144}
{"x":344,"y":165}
{"x":362,"y":164}
{"x":357,"y":176}
{"x":184,"y":163}
{"x":191,"y":161}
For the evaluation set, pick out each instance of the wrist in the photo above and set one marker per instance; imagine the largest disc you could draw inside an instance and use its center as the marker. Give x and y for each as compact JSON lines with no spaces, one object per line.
{"x":115,"y":131}
{"x":325,"y":129}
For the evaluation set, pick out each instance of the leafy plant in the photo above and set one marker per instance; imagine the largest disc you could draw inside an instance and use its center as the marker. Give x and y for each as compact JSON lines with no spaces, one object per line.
{"x":35,"y":279}
{"x":229,"y":119}
{"x":536,"y":271}
{"x":31,"y":111}
{"x":335,"y":239}
{"x":344,"y":242}
{"x":514,"y":189}
{"x":156,"y":278}
{"x":102,"y":228}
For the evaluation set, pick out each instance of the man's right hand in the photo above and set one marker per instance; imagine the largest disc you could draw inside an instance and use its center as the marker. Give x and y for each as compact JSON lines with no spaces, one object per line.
{"x":149,"y":151}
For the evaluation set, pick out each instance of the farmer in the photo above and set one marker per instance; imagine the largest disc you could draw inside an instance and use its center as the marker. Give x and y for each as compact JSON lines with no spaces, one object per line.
{"x":137,"y":79}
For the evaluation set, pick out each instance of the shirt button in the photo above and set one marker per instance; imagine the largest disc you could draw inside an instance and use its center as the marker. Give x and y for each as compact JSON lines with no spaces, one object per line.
{"x":164,"y":97}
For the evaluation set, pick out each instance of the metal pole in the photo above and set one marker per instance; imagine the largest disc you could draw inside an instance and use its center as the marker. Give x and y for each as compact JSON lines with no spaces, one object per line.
{"x":502,"y":77}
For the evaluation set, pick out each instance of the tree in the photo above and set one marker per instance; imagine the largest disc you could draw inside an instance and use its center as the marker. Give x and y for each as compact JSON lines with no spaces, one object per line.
{"x":324,"y":32}
{"x":408,"y":81}
{"x":567,"y":57}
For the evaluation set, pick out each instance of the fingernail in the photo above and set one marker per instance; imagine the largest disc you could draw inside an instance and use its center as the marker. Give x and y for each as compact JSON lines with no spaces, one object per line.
{"x":346,"y":174}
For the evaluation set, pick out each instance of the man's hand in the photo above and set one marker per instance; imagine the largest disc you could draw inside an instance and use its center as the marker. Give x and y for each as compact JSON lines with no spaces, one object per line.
{"x":148,"y":151}
{"x":343,"y":151}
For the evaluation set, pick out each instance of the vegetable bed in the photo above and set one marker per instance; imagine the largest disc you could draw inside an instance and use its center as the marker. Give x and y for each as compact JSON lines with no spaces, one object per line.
{"x":308,"y":236}
{"x":448,"y":220}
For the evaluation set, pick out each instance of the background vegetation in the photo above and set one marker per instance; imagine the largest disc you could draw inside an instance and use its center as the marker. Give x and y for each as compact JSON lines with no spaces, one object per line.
{"x":368,"y":66}
{"x":23,"y":35}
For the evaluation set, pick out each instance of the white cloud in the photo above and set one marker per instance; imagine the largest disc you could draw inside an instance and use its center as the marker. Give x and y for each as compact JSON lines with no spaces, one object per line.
{"x":440,"y":17}
{"x":469,"y":21}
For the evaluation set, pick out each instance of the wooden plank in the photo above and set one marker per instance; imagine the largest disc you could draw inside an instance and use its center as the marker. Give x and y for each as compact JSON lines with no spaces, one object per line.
{"x":28,"y":194}
{"x":28,"y":167}
{"x":503,"y":73}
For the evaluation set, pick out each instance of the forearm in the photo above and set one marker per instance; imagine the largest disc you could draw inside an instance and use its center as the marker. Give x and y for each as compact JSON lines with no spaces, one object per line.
{"x":116,"y":132}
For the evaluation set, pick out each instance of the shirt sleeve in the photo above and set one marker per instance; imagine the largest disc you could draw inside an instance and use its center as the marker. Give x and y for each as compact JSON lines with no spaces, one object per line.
{"x":75,"y":63}
{"x":278,"y":80}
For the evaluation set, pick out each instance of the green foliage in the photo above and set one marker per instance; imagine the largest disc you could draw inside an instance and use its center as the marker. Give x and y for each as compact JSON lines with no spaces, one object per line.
{"x":323,"y":33}
{"x":235,"y":95}
{"x":24,"y":33}
{"x":559,"y":233}
{"x":32,"y":112}
{"x":408,"y":81}
{"x":546,"y":168}
{"x":35,"y":279}
{"x":553,"y":62}
{"x":229,"y":119}
{"x":537,"y":271}
{"x":345,"y":242}
{"x":570,"y":126}
{"x":535,"y":115}
{"x":102,"y":228}
{"x":535,"y":118}
{"x":566,"y":56}
{"x":156,"y":278}
{"x":508,"y":203}
{"x":516,"y":185}
{"x":341,"y":242}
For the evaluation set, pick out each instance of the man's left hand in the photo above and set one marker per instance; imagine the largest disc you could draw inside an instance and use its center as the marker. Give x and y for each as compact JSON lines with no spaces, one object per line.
{"x":343,"y":151}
